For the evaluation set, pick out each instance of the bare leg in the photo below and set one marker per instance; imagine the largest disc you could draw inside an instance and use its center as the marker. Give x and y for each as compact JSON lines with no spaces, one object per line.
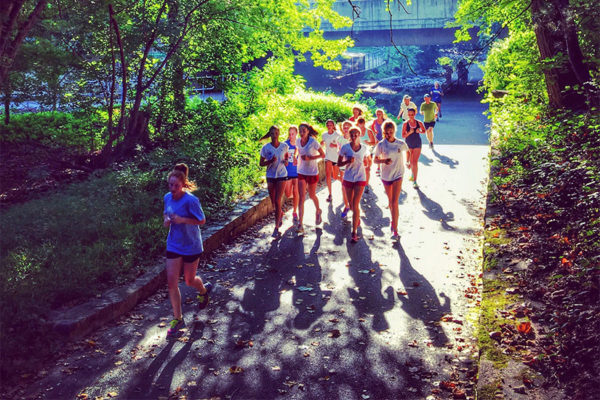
{"x":344,"y":194}
{"x":388,"y":192}
{"x":328,"y":174}
{"x":358,"y":192}
{"x":396,"y":188}
{"x":429,"y":133}
{"x":354,"y":196}
{"x":173,"y":270}
{"x":189,"y":274}
{"x":296,"y":199}
{"x":414,"y":162}
{"x":271,"y":188}
{"x":302,"y":195}
{"x":279,"y":186}
{"x":312,"y":193}
{"x":350,"y":196}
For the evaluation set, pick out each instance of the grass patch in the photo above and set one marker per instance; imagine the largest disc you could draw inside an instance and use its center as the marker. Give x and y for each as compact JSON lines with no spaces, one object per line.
{"x":489,"y":391}
{"x":493,"y":298}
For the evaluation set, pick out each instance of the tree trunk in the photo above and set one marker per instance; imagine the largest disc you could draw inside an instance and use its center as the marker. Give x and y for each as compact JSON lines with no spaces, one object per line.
{"x":177,"y":81}
{"x":549,"y":27}
{"x":7,"y":96}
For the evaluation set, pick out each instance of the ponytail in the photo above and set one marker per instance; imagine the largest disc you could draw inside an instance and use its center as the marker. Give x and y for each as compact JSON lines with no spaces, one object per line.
{"x":181,"y":171}
{"x":311,"y":130}
{"x":269,"y":132}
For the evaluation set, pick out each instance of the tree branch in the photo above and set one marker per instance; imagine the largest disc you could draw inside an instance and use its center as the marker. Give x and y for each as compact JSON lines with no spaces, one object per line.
{"x":149,"y":44}
{"x":9,"y":50}
{"x":175,"y":46}
{"x":392,"y":39}
{"x":496,"y":35}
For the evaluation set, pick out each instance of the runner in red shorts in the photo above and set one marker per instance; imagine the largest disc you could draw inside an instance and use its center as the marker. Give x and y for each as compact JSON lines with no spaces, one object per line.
{"x":309,"y":152}
{"x":355,"y":156}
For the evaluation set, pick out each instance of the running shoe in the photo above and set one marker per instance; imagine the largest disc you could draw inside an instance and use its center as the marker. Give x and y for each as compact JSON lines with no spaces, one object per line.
{"x":300,"y":230}
{"x":367,"y":189}
{"x":295,"y":217}
{"x":431,"y":145}
{"x":174,"y":327}
{"x":395,"y":236}
{"x":319,"y":219}
{"x":377,"y":172}
{"x":345,"y":212}
{"x":415,"y":185}
{"x":204,"y":298}
{"x":354,"y":238}
{"x":329,"y":199}
{"x":276,"y":233}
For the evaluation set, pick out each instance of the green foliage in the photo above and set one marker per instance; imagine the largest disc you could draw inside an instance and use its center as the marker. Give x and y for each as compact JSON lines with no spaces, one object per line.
{"x":444,"y":61}
{"x":512,"y":66}
{"x":83,"y":130}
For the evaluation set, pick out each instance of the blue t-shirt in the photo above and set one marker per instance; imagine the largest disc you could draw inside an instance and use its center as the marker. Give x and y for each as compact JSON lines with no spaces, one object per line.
{"x":292,"y":169}
{"x":436,"y":95}
{"x":184,"y":239}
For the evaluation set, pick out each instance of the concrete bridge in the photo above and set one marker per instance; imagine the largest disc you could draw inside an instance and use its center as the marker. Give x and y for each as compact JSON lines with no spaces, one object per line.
{"x":422,"y":25}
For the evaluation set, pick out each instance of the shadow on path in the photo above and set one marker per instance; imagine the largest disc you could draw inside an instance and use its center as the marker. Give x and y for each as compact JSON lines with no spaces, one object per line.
{"x":288,"y":268}
{"x":372,"y":215}
{"x":434,"y":211}
{"x":421,"y":301}
{"x":446,"y":160}
{"x":367,"y":297}
{"x":145,"y":386}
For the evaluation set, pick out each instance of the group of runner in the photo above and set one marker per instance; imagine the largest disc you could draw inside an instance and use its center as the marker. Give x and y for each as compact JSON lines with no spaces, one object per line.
{"x":349,"y":151}
{"x":292,"y":168}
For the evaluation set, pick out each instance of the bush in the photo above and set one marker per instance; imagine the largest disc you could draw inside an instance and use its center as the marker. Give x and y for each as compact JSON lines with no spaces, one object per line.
{"x":83,"y":131}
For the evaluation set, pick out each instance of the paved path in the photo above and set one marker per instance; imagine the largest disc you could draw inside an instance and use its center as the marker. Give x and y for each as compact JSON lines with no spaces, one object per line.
{"x":314,"y":317}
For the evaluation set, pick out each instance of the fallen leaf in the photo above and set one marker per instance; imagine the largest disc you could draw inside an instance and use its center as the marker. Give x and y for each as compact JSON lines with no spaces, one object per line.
{"x":112,"y":394}
{"x":235,"y":370}
{"x":524,"y":327}
{"x":447,"y":385}
{"x":335,"y":333}
{"x":276,"y":368}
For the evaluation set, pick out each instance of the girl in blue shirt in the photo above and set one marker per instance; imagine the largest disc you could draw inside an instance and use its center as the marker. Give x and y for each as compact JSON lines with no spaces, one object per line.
{"x":183,"y":216}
